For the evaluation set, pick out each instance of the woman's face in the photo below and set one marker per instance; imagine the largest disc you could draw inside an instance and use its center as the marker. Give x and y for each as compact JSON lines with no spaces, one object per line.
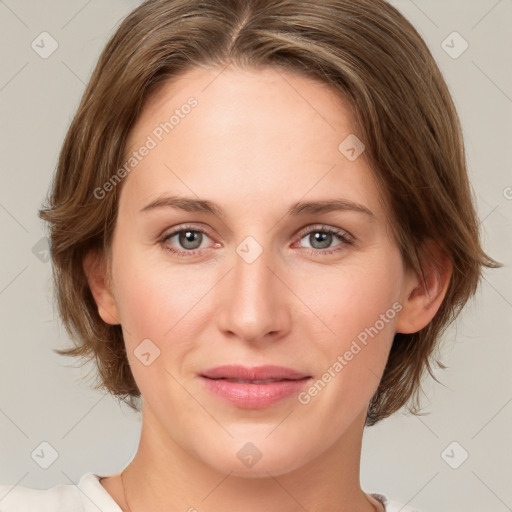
{"x":272,"y":280}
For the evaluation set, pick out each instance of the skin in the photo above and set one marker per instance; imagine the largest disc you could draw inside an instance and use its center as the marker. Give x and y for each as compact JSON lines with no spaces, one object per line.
{"x":257,"y":142}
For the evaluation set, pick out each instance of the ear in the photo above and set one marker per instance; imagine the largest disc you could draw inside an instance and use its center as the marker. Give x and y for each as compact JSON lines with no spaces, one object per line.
{"x":95,"y":268}
{"x":421,"y":299}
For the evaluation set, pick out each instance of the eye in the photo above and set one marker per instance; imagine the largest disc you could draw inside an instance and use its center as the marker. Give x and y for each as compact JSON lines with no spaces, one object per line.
{"x":321,"y":237}
{"x":189,"y":238}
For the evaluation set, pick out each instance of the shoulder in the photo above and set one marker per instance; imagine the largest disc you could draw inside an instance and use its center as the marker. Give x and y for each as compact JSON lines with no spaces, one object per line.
{"x":87,"y":495}
{"x":392,"y":505}
{"x":25,"y":499}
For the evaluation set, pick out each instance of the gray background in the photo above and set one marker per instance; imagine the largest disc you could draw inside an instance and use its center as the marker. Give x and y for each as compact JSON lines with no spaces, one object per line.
{"x":43,"y":398}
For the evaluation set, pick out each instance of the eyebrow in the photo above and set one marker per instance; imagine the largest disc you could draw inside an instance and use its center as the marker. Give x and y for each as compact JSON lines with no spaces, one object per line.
{"x":297,"y":209}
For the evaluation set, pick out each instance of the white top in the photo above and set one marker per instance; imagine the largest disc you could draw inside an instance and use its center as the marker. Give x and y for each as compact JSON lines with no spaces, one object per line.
{"x":90,"y":496}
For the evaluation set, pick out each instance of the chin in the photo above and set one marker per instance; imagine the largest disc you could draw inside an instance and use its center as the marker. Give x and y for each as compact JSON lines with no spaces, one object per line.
{"x":259,"y":458}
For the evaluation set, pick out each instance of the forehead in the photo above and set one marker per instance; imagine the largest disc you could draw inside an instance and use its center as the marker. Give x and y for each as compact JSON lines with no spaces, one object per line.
{"x":261,"y":132}
{"x":233,"y":84}
{"x":248,"y":99}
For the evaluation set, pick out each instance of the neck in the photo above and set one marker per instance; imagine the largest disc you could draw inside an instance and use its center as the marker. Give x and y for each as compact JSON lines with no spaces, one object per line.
{"x":163,"y":475}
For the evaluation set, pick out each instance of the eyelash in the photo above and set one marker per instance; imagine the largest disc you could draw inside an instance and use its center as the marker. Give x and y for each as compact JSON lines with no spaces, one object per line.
{"x":344,"y":237}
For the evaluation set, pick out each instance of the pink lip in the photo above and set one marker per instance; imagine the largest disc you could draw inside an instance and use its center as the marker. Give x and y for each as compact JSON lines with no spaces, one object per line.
{"x":222,"y":381}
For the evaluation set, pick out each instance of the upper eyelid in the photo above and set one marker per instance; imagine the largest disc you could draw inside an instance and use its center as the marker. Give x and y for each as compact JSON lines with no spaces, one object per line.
{"x":323,"y":227}
{"x":179,"y":229}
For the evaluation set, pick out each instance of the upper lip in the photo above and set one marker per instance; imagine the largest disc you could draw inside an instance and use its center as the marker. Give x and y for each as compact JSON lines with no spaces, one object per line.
{"x":253,"y":372}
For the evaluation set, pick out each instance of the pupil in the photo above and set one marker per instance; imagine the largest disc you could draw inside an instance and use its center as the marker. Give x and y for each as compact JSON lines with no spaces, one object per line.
{"x":323,"y":238}
{"x":189,"y":237}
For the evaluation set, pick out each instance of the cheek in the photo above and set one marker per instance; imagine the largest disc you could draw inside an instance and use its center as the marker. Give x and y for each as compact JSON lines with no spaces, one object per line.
{"x":357,"y":307}
{"x":144,"y":303}
{"x":164,"y":302}
{"x":152,"y":295}
{"x":157,"y":301}
{"x":353,"y":298}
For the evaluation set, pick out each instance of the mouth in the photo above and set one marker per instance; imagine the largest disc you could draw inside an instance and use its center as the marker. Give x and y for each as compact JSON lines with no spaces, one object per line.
{"x":253,"y":387}
{"x":266,"y":381}
{"x":253,"y":374}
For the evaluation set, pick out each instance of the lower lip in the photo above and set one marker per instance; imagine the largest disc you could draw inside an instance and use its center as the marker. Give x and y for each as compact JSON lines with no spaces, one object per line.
{"x":254,"y":396}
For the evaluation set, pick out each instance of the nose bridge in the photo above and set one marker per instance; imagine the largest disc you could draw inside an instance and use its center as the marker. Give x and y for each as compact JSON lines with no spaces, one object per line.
{"x":254,"y":304}
{"x":251,"y":269}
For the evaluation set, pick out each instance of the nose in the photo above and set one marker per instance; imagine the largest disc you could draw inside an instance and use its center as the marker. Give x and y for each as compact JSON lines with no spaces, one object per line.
{"x":254,"y":303}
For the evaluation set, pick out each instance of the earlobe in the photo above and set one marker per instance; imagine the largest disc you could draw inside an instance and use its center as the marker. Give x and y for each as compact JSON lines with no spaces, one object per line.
{"x":422,"y":298}
{"x":95,"y":268}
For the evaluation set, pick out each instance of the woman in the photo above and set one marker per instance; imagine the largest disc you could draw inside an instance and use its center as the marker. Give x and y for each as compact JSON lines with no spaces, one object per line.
{"x":261,"y":222}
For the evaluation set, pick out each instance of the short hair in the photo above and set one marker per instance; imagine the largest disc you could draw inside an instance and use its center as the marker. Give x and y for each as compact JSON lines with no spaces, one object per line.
{"x":364,"y":50}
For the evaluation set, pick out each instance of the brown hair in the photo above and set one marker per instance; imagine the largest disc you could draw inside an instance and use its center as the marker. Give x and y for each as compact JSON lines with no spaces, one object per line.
{"x":366,"y":51}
